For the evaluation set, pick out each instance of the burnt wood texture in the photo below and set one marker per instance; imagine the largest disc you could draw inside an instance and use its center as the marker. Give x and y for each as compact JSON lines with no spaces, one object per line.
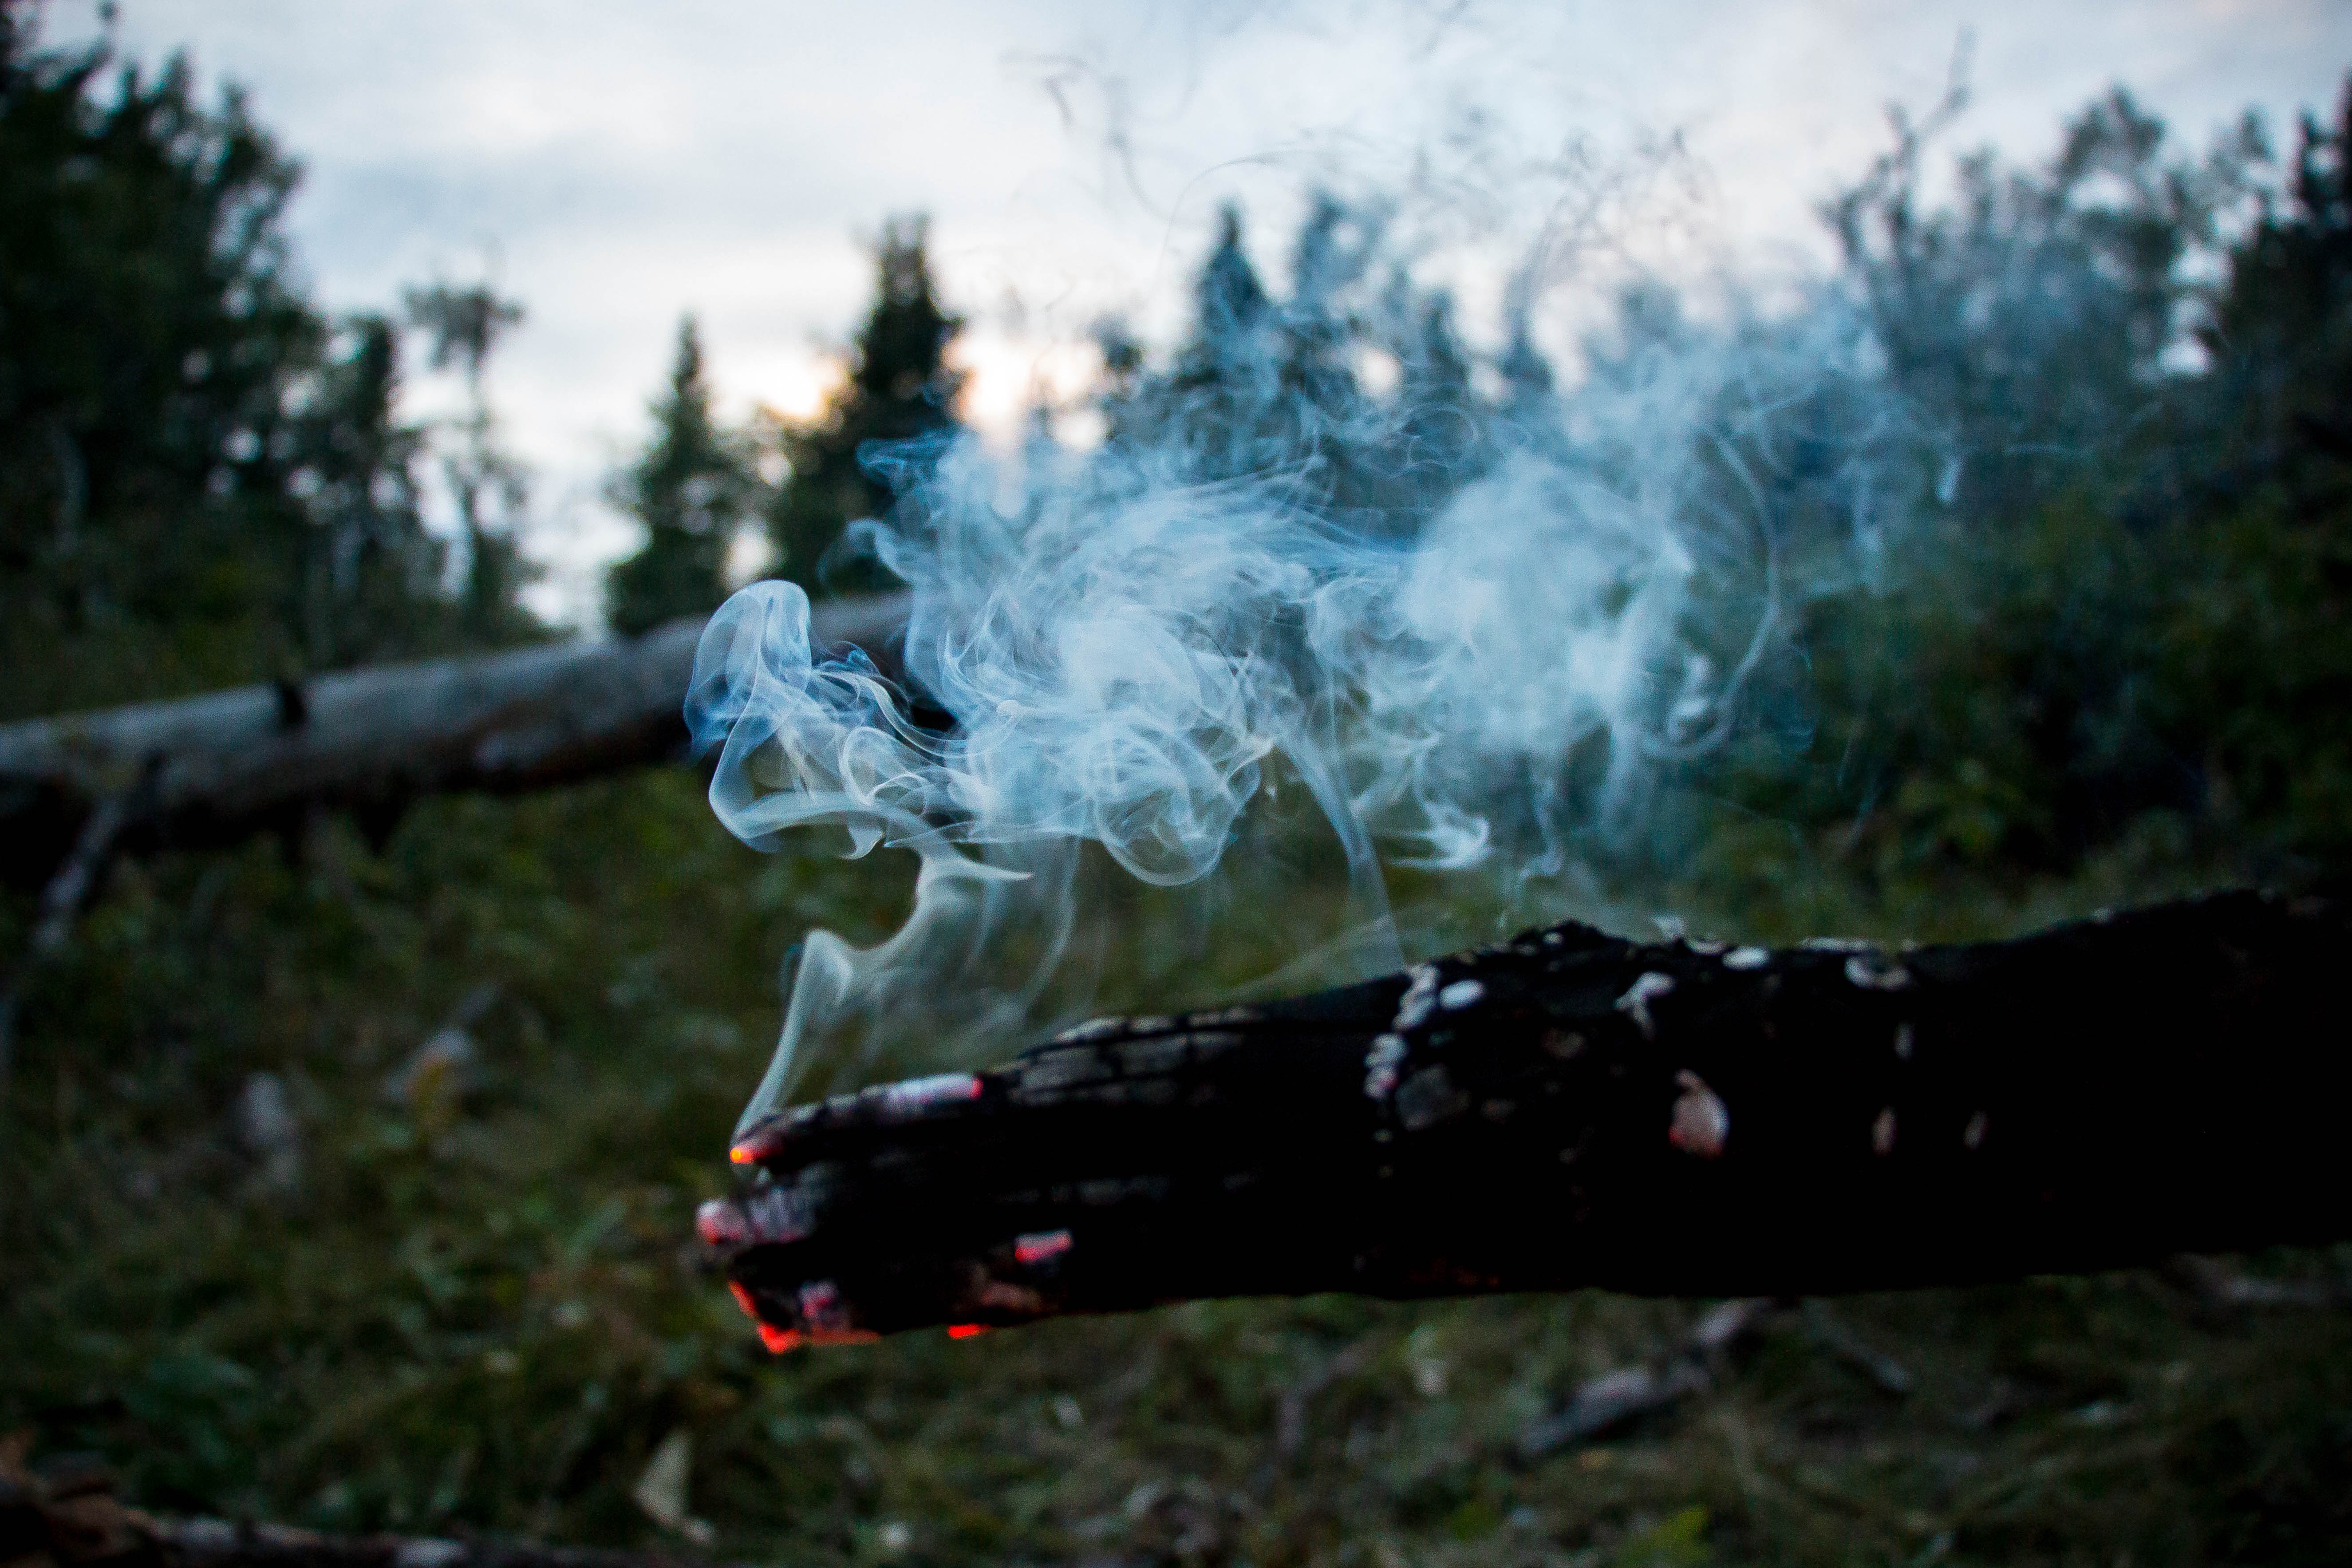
{"x":1569,"y":1109}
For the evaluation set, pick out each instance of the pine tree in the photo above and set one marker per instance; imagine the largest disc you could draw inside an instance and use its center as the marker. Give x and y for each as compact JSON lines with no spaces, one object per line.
{"x":2263,"y":632}
{"x":203,"y":480}
{"x":1268,"y":389}
{"x":488,"y":486}
{"x":154,"y":335}
{"x":692,"y":486}
{"x":2280,"y":335}
{"x":871,"y":442}
{"x":372,"y":588}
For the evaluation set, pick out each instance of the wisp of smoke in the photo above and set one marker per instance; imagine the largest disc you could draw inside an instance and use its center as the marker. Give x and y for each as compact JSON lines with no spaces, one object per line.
{"x":1135,"y":647}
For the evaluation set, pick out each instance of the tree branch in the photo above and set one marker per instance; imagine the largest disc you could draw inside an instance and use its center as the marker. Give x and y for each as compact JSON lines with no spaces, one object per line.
{"x":1568,"y":1109}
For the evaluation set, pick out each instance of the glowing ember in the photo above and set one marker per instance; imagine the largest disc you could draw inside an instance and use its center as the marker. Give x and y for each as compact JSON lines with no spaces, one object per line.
{"x":1040,"y":1246}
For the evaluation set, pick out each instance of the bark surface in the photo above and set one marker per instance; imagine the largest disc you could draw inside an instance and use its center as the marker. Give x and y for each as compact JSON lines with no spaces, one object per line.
{"x":1569,"y":1109}
{"x":216,"y":768}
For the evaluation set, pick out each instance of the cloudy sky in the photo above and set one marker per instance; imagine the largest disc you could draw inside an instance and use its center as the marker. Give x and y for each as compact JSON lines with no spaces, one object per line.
{"x":614,"y":165}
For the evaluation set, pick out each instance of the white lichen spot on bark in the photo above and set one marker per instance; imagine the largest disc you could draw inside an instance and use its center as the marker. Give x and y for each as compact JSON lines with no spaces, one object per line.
{"x":1635,"y":1003}
{"x":1381,"y":1064}
{"x":1413,"y":1008}
{"x":1461,"y":993}
{"x":1874,"y":971}
{"x":1702,"y":1123}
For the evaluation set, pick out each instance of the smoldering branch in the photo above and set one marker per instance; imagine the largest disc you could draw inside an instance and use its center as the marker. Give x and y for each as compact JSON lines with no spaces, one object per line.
{"x":1569,"y":1109}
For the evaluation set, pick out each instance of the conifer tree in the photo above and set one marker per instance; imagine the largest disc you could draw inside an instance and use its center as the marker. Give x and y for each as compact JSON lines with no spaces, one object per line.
{"x":488,"y":487}
{"x":1268,"y":389}
{"x":203,"y":480}
{"x":371,"y":590}
{"x":692,"y":486}
{"x":2280,"y":333}
{"x":899,"y":396}
{"x":153,"y":330}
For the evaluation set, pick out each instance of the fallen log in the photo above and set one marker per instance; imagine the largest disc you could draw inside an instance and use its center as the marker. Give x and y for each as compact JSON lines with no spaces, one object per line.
{"x":213,"y":768}
{"x":1569,"y":1108}
{"x":68,"y":1516}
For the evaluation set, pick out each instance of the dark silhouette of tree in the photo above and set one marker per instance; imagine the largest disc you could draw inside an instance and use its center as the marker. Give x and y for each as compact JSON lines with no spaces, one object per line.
{"x":1254,"y":389}
{"x":2280,"y":335}
{"x":2263,"y":629}
{"x":1269,"y":389}
{"x":154,"y":334}
{"x":2031,"y":315}
{"x":871,"y":442}
{"x":486,"y":484}
{"x":374,"y":584}
{"x":691,"y":487}
{"x":1442,"y":429}
{"x":203,"y":478}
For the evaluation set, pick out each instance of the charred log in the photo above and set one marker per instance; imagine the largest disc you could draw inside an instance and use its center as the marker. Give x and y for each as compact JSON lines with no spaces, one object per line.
{"x":1569,"y":1109}
{"x":213,"y":768}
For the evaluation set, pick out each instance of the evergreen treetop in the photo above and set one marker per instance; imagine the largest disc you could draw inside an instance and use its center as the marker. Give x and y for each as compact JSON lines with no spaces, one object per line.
{"x":693,"y":485}
{"x":203,"y":478}
{"x":488,"y":486}
{"x":900,"y":389}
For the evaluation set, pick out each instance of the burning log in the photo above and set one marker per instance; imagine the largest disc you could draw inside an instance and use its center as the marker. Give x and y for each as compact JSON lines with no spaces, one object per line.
{"x":1569,"y":1109}
{"x":216,"y":768}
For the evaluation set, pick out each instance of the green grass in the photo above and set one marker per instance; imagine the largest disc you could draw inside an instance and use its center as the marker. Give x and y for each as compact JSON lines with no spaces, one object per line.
{"x":474,"y":1307}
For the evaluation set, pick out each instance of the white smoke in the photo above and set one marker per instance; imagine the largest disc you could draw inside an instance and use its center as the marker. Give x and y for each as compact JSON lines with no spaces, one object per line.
{"x":1134,"y":654}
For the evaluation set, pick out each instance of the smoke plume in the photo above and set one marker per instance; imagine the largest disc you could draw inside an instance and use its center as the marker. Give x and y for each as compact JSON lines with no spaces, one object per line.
{"x":1476,"y":618}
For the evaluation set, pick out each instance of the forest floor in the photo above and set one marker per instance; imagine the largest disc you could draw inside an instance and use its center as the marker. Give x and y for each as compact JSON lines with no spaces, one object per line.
{"x":352,"y":1190}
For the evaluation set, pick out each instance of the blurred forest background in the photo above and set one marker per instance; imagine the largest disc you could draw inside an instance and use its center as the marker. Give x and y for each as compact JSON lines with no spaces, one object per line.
{"x":345,"y":1178}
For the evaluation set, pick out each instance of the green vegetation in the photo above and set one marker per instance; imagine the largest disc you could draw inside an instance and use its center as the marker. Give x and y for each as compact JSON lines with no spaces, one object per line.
{"x":464,"y":1299}
{"x":878,"y":430}
{"x":692,"y":487}
{"x":350,"y":1185}
{"x":203,"y":478}
{"x":486,"y":487}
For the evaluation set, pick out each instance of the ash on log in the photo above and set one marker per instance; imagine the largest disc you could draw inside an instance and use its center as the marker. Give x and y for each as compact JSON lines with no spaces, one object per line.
{"x":1568,"y":1109}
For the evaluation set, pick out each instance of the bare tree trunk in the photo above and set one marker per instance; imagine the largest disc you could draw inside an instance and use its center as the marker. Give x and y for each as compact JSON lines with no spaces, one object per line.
{"x":213,"y":768}
{"x":1568,"y":1109}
